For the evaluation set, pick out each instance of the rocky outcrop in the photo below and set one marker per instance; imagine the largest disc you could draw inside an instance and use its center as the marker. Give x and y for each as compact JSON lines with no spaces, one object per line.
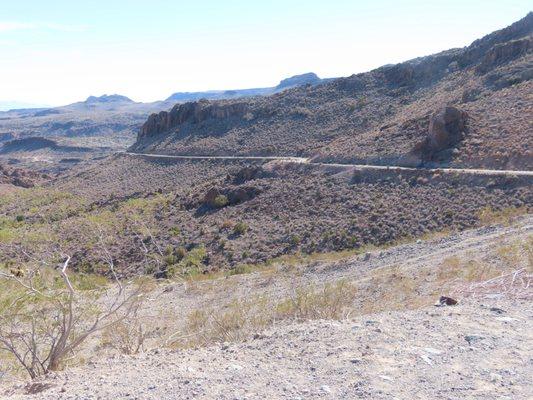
{"x":192,"y":112}
{"x":20,"y":177}
{"x":232,"y":195}
{"x":505,"y":52}
{"x":447,"y":127}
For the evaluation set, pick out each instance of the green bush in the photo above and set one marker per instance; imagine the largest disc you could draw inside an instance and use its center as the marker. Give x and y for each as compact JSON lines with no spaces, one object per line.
{"x":220,"y":201}
{"x":295,"y":240}
{"x":240,"y":228}
{"x":191,"y":263}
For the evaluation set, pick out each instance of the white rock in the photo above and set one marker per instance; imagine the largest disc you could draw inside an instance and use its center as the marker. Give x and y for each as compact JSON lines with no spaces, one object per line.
{"x":432,"y":350}
{"x":236,"y":367}
{"x":325,"y":388}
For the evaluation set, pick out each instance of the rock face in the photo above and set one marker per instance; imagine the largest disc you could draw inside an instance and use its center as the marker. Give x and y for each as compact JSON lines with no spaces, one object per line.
{"x":446,"y":129}
{"x":193,"y":113}
{"x":505,"y":52}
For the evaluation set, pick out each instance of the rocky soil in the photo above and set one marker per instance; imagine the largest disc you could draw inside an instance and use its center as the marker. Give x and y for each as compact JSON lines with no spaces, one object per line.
{"x":285,"y":208}
{"x":478,"y":349}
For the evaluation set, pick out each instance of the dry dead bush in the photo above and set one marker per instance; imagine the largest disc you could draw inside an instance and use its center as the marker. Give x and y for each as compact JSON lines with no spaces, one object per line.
{"x":242,"y":317}
{"x":505,"y":216}
{"x":332,"y":301}
{"x":129,"y":335}
{"x":47,"y":312}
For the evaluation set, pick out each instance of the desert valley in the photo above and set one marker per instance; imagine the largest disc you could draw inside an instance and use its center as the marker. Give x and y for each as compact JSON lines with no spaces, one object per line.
{"x":360,"y":237}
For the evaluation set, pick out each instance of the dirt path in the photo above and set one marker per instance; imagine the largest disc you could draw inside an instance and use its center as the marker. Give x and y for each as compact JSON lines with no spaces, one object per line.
{"x":303,"y":160}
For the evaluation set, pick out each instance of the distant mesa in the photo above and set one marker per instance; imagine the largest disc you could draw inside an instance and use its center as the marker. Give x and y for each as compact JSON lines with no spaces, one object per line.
{"x":112,"y":98}
{"x":38,"y":143}
{"x":309,"y":78}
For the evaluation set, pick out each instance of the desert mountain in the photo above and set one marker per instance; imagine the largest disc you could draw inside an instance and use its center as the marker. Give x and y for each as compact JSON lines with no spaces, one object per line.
{"x":309,"y":78}
{"x":106,"y":123}
{"x":461,"y":107}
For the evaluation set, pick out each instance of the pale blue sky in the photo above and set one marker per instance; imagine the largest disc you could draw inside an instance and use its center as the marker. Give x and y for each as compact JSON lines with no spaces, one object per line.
{"x":57,"y":52}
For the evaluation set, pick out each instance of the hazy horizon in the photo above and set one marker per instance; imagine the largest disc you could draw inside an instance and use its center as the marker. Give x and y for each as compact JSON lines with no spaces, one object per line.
{"x":59,"y":53}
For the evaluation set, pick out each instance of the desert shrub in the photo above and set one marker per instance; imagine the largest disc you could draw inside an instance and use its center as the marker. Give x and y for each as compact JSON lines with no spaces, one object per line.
{"x":240,"y":269}
{"x":47,"y":314}
{"x":295,"y":240}
{"x":129,"y":335}
{"x":489,"y":215}
{"x":191,"y":263}
{"x":243,"y":316}
{"x":240,"y":228}
{"x":226,"y":224}
{"x":248,"y":116}
{"x":6,"y":235}
{"x":220,"y":201}
{"x":361,"y":102}
{"x":301,"y":112}
{"x":175,"y":231}
{"x":329,"y":302}
{"x":465,"y":270}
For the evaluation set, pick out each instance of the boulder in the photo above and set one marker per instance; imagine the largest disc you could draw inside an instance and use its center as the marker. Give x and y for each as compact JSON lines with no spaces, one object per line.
{"x":447,"y":127}
{"x":242,"y":194}
{"x":211,"y":195}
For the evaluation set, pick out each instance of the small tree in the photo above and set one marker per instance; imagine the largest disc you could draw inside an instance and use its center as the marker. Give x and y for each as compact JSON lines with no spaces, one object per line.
{"x":47,"y":313}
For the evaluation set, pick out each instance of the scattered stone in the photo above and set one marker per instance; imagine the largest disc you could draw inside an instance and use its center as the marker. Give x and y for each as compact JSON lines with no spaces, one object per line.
{"x":426,"y":359}
{"x":325,"y":388}
{"x":506,"y":319}
{"x":432,"y":350}
{"x":495,"y":377}
{"x":236,"y":367}
{"x":446,"y":301}
{"x":473,"y":338}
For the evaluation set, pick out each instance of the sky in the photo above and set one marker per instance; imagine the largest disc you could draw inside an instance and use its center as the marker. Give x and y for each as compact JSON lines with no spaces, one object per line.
{"x":56,"y":52}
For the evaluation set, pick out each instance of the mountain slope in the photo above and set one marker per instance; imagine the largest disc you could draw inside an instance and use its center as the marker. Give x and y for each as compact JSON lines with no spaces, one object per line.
{"x":382,"y":116}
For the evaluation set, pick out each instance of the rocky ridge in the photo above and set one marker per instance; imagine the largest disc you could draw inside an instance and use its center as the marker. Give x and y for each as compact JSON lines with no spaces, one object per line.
{"x":378,"y":117}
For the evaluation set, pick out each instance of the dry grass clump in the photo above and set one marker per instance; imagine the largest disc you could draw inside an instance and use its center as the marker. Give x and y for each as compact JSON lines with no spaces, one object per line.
{"x":242,"y":317}
{"x":332,"y":301}
{"x":505,"y":216}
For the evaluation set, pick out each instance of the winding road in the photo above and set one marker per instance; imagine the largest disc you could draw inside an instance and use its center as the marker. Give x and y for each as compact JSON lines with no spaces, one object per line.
{"x":303,"y":160}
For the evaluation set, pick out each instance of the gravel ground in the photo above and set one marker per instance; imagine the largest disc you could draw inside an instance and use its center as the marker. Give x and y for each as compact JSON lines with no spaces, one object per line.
{"x":475,"y":350}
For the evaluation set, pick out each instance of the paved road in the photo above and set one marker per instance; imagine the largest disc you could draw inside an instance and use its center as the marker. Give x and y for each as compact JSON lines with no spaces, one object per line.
{"x":303,"y":160}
